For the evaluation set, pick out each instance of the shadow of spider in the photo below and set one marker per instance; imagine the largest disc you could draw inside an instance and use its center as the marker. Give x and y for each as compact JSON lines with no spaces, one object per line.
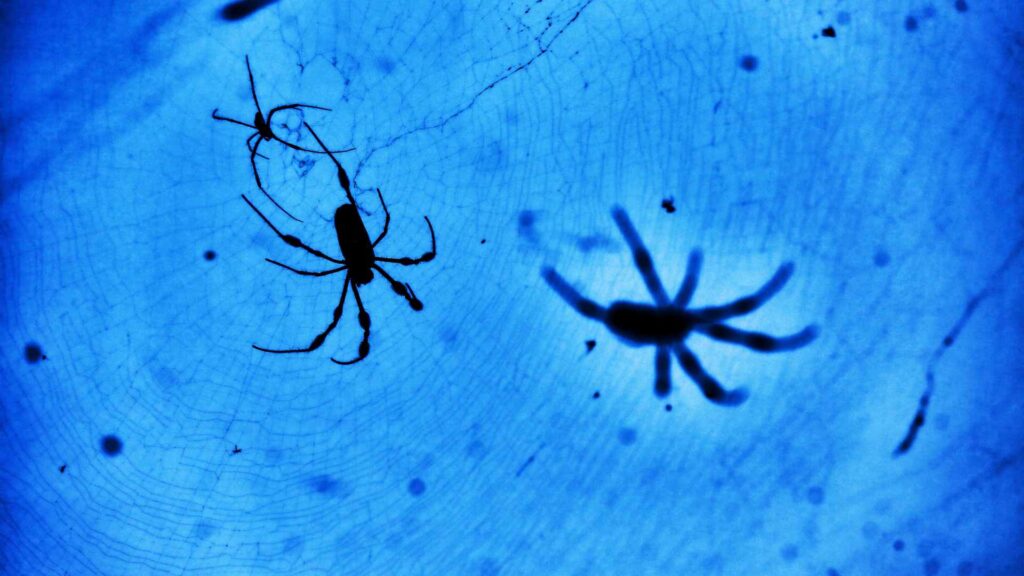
{"x":667,"y":323}
{"x":265,"y":133}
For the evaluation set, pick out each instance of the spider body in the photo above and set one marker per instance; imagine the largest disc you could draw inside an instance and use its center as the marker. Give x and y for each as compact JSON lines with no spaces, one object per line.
{"x":265,"y":133}
{"x":355,"y":244}
{"x":668,"y":323}
{"x":639,"y":324}
{"x":359,"y":261}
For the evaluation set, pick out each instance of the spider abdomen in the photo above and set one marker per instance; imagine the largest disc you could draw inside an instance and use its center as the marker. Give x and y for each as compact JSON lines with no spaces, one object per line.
{"x":354,"y":243}
{"x":646,"y":324}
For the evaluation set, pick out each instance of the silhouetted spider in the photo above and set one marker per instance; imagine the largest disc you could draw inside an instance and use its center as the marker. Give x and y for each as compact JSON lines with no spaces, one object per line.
{"x":667,"y":323}
{"x":264,"y":132}
{"x":359,"y":260}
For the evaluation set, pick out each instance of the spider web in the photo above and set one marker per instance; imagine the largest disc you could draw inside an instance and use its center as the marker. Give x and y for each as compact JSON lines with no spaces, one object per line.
{"x":481,"y":436}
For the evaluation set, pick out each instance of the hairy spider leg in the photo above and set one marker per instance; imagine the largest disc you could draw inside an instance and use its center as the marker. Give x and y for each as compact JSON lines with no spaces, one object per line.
{"x":426,"y":257}
{"x":403,"y":290}
{"x":662,"y":371}
{"x":306,"y":272}
{"x":364,"y":322}
{"x":319,"y":340}
{"x":641,"y":256}
{"x":758,"y":341}
{"x":748,"y":304}
{"x":689,"y":285}
{"x":288,"y":238}
{"x":342,"y":175}
{"x":583,"y":305}
{"x":387,"y":219}
{"x":710,"y":387}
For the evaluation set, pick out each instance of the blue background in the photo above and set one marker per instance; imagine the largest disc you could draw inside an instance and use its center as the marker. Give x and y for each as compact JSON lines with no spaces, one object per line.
{"x":885,"y":162}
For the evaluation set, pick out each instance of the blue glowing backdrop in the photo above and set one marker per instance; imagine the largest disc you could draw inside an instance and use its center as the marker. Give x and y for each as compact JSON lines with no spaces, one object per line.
{"x":674,"y":287}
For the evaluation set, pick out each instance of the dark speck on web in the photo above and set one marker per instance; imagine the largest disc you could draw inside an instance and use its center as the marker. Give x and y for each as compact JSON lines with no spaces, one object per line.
{"x":829,"y":32}
{"x":789,"y":552}
{"x":590,"y":345}
{"x":910,"y":24}
{"x":34,"y":353}
{"x":62,"y":468}
{"x":627,"y":436}
{"x":417,"y":487}
{"x":111,"y":445}
{"x":815,"y":495}
{"x":669,"y":204}
{"x":527,"y":221}
{"x":748,"y":63}
{"x":597,"y":394}
{"x":209,"y":255}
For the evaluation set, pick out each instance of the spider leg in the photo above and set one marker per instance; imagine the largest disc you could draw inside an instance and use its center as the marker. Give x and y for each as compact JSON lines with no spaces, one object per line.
{"x":584,"y":306}
{"x":232,"y":120}
{"x":295,"y":106}
{"x":710,"y":387}
{"x":427,"y":256}
{"x":249,"y":145}
{"x":319,"y":340}
{"x":364,"y":321}
{"x":342,"y":175}
{"x":252,"y":85}
{"x":757,"y":340}
{"x":748,"y":304}
{"x":663,"y":374}
{"x":641,"y":256}
{"x":387,"y":219}
{"x":259,"y":183}
{"x":301,"y":149}
{"x":296,"y":146}
{"x":689,"y":285}
{"x":306,"y":272}
{"x":288,"y":238}
{"x":403,"y":290}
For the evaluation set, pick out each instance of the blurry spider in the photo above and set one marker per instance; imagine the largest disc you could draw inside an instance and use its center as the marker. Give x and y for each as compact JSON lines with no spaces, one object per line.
{"x":265,"y":133}
{"x":359,"y":261}
{"x":667,"y":323}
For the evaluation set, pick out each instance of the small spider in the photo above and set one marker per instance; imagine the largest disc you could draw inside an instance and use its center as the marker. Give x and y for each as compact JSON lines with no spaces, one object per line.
{"x":667,"y":323}
{"x":359,"y":261}
{"x":265,"y":133}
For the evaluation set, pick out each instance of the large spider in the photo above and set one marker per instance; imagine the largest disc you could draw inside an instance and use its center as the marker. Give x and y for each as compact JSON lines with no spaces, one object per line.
{"x":265,"y":133}
{"x":667,"y":323}
{"x":359,"y":261}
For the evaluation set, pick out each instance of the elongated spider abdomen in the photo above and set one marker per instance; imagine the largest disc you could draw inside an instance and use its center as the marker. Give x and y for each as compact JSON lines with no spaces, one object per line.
{"x":355,"y":244}
{"x":646,"y":324}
